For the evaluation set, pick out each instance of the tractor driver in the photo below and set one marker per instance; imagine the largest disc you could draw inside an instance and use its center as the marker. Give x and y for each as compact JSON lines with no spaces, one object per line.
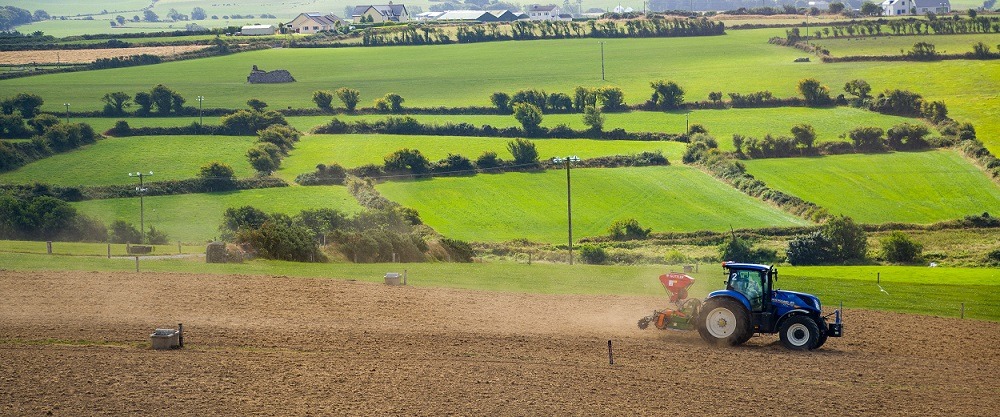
{"x":748,"y":284}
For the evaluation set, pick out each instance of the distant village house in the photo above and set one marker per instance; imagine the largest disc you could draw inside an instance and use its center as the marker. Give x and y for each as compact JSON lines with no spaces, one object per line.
{"x":393,"y":13}
{"x":313,"y":23}
{"x":550,"y":12}
{"x":919,"y":7}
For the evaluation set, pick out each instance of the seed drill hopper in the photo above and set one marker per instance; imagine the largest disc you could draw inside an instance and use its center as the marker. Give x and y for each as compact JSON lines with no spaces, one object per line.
{"x":683,"y":315}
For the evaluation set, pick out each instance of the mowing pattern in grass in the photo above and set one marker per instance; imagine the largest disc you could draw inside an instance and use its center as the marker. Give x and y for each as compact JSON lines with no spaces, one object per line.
{"x":917,"y":187}
{"x":196,"y":217}
{"x":892,"y":45}
{"x":500,"y":207}
{"x":110,"y":160}
{"x":355,"y":150}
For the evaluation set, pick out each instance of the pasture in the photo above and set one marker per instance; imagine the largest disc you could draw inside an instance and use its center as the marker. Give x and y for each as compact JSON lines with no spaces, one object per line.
{"x":898,"y":45}
{"x":109,"y":161}
{"x":700,"y":65}
{"x":502,"y":207}
{"x":909,"y":187}
{"x":196,"y":218}
{"x":355,"y":150}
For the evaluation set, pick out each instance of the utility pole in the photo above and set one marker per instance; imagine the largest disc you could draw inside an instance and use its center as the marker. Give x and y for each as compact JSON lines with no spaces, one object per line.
{"x":602,"y":61}
{"x":201,"y":121}
{"x":67,"y":111}
{"x":142,"y":209}
{"x":569,"y":200}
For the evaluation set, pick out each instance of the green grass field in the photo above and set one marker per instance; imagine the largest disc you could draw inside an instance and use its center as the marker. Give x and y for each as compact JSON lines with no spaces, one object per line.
{"x":354,"y":150}
{"x":911,"y":187}
{"x":110,"y":160}
{"x":700,"y":65}
{"x":892,"y":45}
{"x":196,"y":217}
{"x":920,"y":290}
{"x":829,"y":123}
{"x":500,"y":207}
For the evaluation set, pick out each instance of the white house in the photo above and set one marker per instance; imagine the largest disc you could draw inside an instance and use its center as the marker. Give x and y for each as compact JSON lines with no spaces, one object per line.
{"x":395,"y":13}
{"x":258,"y":30}
{"x":536,"y":12}
{"x":313,"y":23}
{"x":907,"y":7}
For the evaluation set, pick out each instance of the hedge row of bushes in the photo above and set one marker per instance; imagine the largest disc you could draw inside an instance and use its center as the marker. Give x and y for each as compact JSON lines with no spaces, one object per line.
{"x":407,"y":163}
{"x":56,"y":138}
{"x":187,"y":186}
{"x":704,"y":151}
{"x":409,"y":126}
{"x":239,"y":123}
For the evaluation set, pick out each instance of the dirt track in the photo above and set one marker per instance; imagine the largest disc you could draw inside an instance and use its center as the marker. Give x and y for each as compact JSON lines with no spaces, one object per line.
{"x":77,"y":343}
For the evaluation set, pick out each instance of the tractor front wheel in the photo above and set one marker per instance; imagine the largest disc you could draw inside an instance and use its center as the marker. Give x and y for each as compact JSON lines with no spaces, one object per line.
{"x":724,"y":322}
{"x":799,"y":333}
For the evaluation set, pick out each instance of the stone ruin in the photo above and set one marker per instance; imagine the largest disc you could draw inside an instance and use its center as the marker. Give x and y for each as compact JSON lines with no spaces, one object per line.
{"x":258,"y":76}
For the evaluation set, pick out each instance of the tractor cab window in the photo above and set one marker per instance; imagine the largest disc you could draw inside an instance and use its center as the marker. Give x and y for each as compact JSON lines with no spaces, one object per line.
{"x":751,"y":285}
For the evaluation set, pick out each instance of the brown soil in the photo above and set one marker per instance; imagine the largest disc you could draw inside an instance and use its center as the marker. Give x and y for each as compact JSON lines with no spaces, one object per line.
{"x":83,"y":56}
{"x":76,"y":343}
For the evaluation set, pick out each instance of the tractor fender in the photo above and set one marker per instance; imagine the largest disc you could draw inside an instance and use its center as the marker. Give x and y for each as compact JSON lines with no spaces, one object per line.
{"x":731,"y":294}
{"x":790,"y":314}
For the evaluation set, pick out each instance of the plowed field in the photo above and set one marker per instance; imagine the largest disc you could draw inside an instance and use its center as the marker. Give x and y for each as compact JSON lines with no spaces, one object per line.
{"x":78,"y":344}
{"x":82,"y":56}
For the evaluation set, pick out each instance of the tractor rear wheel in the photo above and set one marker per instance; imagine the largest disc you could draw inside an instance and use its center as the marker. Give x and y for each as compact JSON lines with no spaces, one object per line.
{"x":724,"y":322}
{"x":799,"y":333}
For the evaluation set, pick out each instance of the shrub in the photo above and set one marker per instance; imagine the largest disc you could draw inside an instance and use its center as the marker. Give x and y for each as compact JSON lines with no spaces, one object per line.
{"x":628,"y":229}
{"x":867,"y":138}
{"x":454,"y":165}
{"x":593,"y":118}
{"x":898,"y":247}
{"x":697,"y":128}
{"x":501,"y":101}
{"x":675,"y":257}
{"x":536,"y":98}
{"x":282,"y":239}
{"x":42,"y":122}
{"x":858,"y":88}
{"x":217,"y":176}
{"x":584,"y":97}
{"x":667,"y":95}
{"x":406,"y":161}
{"x":394,"y":101}
{"x":156,"y":237}
{"x":488,"y":160}
{"x":923,"y":51}
{"x":813,"y":249}
{"x":333,"y":174}
{"x":350,"y":97}
{"x":611,"y":98}
{"x":264,"y":158}
{"x":594,"y":255}
{"x":24,"y":103}
{"x":523,"y":151}
{"x":256,"y":104}
{"x":323,"y":99}
{"x":529,"y":115}
{"x":559,"y":101}
{"x":815,"y":94}
{"x":459,"y":251}
{"x":249,"y":122}
{"x":848,"y":239}
{"x":737,"y":249}
{"x":906,"y":136}
{"x":12,"y":126}
{"x":284,"y":137}
{"x":124,"y":232}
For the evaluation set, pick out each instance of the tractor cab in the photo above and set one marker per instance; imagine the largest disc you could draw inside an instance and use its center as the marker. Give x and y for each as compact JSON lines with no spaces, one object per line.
{"x":753,"y":282}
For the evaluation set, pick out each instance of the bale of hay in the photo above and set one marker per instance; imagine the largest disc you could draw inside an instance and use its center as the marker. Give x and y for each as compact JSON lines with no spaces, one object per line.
{"x":215,"y":253}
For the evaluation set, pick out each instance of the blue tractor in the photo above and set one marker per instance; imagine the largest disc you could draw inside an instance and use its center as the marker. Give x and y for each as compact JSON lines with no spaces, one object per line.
{"x":750,"y":305}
